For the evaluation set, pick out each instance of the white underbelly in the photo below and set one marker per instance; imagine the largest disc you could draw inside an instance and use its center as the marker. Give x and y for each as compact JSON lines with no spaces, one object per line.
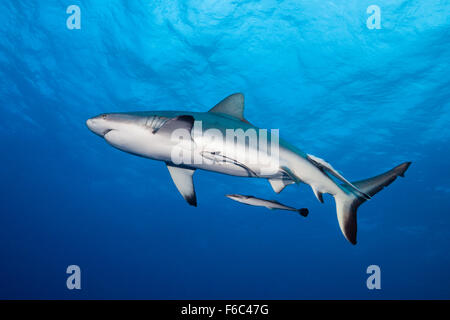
{"x":236,"y":160}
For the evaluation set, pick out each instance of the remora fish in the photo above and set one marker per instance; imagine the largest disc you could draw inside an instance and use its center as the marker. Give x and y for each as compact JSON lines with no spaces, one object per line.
{"x":150,"y":135}
{"x":269,"y":204}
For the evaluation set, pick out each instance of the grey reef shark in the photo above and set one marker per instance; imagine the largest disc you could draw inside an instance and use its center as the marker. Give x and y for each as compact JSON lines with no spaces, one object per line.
{"x":222,"y":140}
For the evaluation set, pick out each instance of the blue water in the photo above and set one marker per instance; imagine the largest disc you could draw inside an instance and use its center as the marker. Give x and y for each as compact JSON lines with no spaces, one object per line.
{"x":363,"y":99}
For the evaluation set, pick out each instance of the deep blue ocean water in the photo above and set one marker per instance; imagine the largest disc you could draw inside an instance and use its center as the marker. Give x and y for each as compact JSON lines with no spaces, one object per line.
{"x":363,"y":99}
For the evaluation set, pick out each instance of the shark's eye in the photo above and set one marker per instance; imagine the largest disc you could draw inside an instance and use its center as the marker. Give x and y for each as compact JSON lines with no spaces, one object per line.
{"x":103,"y":116}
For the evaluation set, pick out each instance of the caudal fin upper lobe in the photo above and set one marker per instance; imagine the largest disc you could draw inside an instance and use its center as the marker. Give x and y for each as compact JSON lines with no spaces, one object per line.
{"x":347,"y":203}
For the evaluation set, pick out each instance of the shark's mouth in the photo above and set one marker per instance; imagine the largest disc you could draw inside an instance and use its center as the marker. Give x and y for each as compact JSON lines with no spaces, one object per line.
{"x":106,"y":132}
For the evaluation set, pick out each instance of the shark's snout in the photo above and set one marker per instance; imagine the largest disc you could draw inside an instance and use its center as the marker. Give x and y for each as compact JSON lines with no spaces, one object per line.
{"x":93,"y":125}
{"x":98,"y":125}
{"x":90,"y":124}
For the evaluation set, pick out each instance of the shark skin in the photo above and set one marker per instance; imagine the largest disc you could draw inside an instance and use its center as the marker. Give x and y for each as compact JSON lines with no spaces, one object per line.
{"x":153,"y":135}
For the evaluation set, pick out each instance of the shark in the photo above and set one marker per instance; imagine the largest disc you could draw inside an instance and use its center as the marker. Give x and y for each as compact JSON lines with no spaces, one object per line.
{"x":187,"y":141}
{"x":269,"y":204}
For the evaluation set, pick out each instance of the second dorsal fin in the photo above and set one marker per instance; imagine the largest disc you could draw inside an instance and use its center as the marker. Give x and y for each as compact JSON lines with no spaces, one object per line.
{"x":233,"y":105}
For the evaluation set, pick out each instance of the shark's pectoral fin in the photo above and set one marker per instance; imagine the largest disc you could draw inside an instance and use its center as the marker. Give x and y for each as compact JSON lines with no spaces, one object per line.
{"x":182,"y":177}
{"x":279,"y":184}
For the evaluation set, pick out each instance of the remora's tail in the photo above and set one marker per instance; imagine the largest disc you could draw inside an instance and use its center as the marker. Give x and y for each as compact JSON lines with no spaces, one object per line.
{"x":348,"y":203}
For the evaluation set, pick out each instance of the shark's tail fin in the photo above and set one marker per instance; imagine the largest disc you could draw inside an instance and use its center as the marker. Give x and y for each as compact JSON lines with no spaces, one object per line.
{"x":348,"y":203}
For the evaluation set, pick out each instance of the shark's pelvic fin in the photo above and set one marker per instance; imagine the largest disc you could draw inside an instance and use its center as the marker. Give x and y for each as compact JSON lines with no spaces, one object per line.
{"x":347,"y":204}
{"x":279,"y":184}
{"x":233,"y":106}
{"x":182,"y":177}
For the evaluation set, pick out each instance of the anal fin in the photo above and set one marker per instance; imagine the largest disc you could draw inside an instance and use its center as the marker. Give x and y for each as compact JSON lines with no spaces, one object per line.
{"x":319,"y":195}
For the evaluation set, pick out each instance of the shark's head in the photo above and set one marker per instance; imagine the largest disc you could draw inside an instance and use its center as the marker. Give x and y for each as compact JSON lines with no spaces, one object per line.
{"x":107,"y":122}
{"x":125,"y":131}
{"x":135,"y":132}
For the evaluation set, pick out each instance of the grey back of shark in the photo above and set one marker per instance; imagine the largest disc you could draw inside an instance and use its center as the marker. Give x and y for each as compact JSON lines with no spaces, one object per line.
{"x":154,"y":135}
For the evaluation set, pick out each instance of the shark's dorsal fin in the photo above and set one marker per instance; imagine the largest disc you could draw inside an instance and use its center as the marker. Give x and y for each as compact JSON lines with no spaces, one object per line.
{"x":182,"y":177}
{"x":233,"y":106}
